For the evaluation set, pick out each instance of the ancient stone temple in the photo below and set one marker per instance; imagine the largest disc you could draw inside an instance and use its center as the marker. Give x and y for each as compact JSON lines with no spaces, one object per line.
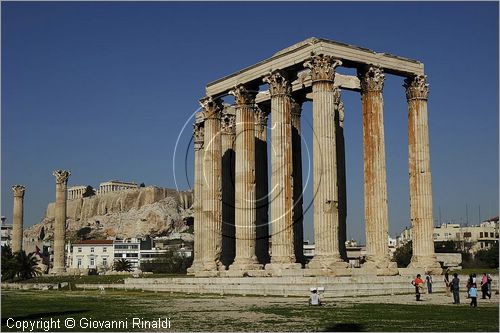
{"x":238,"y":215}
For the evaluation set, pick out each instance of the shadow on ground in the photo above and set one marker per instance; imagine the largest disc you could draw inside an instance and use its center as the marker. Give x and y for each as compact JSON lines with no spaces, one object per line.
{"x":344,"y":327}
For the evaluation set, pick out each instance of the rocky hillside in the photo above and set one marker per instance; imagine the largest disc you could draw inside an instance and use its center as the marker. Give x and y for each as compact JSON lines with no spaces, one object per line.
{"x":128,"y":213}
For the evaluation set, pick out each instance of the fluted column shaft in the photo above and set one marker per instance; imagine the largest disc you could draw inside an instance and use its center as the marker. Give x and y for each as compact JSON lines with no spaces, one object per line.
{"x":281,"y":167}
{"x":17,"y":218}
{"x":59,"y":265}
{"x":420,"y":176}
{"x":212,"y":186}
{"x":325,"y":189}
{"x":245,"y":195}
{"x":198,"y":136}
{"x":261,"y":187}
{"x":375,"y":183}
{"x":228,"y":161}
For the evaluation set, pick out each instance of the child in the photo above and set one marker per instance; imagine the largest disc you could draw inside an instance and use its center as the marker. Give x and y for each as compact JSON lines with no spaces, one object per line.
{"x":473,"y":295}
{"x":418,"y":282}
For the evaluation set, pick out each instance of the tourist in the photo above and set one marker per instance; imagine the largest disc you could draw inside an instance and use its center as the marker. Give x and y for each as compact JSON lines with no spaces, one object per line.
{"x":484,"y":286}
{"x":447,"y":282}
{"x":455,"y":284}
{"x":418,"y":283}
{"x":428,"y":282}
{"x":314,"y":298}
{"x":473,"y":295}
{"x":489,"y":285}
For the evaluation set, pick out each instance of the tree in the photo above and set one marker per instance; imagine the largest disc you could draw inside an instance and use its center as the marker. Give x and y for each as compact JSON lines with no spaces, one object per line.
{"x":122,"y":265}
{"x":27,"y":265}
{"x":448,"y":246}
{"x":83,"y":233}
{"x":488,"y":257}
{"x":170,"y":262}
{"x":402,"y":255}
{"x":89,"y":191}
{"x":9,"y":264}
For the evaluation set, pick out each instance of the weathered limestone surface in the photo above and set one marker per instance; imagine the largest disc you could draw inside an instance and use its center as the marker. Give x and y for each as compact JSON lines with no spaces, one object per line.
{"x":17,"y":218}
{"x":283,"y":256}
{"x":325,"y":190}
{"x":341,"y":174}
{"x":212,"y":186}
{"x":261,"y":187}
{"x":62,"y":176}
{"x":376,"y":213}
{"x":198,"y":135}
{"x":421,"y":217}
{"x":245,"y":195}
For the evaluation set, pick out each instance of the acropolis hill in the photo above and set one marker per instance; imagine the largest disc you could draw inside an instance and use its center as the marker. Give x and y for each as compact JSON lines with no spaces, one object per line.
{"x":126,"y":213}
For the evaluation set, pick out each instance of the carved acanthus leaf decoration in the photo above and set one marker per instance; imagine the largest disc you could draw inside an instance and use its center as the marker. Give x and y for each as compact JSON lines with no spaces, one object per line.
{"x":198,"y":136}
{"x":371,"y":79}
{"x":18,"y":190}
{"x":61,"y":176}
{"x":228,"y":124}
{"x":278,"y":83}
{"x":243,"y":96}
{"x":211,"y":107}
{"x":322,"y":67}
{"x":260,"y":117}
{"x":416,"y":87}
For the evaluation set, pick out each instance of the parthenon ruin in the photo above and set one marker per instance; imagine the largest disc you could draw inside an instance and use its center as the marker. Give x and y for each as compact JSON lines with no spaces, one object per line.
{"x":235,"y":207}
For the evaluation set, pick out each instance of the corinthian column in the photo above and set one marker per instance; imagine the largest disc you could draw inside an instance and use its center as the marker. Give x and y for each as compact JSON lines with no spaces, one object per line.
{"x":297,"y":210}
{"x":62,"y":176}
{"x":421,"y":217}
{"x":261,"y":188}
{"x":17,"y":218}
{"x":228,"y":131}
{"x":212,"y":186}
{"x":376,"y":215}
{"x":325,"y":190}
{"x":283,"y":256}
{"x":245,"y":196}
{"x":198,"y":198}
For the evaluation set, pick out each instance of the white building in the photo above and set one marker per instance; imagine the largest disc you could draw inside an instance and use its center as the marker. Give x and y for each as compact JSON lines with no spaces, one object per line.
{"x":478,"y":237}
{"x":128,"y":249}
{"x":6,"y":232}
{"x":92,"y":254}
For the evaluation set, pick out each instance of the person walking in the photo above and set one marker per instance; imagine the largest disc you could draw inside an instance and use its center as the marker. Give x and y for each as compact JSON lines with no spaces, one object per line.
{"x":418,"y":283}
{"x":469,"y":284}
{"x":447,"y":283}
{"x":484,"y":286}
{"x":428,"y":282}
{"x":455,"y":285}
{"x":473,"y":295}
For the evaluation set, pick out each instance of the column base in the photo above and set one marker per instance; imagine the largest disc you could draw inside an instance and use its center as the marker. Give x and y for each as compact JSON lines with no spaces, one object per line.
{"x":245,"y":265}
{"x":382,"y":266}
{"x":280,"y":266}
{"x":428,"y":264}
{"x":212,"y":266}
{"x":327,"y":262}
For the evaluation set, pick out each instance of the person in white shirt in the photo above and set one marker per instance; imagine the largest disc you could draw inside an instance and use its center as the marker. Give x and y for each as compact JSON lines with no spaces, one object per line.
{"x":314,"y":298}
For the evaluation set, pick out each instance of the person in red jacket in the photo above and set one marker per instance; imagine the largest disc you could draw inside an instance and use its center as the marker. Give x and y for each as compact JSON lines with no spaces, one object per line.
{"x":418,"y":283}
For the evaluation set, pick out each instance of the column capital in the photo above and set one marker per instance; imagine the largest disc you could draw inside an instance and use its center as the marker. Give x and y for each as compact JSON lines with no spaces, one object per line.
{"x":278,"y":83}
{"x":416,"y":87}
{"x":61,"y":176}
{"x":296,"y":109}
{"x":371,"y":78}
{"x":228,"y":124}
{"x":322,"y":67}
{"x":198,"y":135}
{"x":18,"y":190}
{"x":212,"y":107}
{"x":260,"y":117}
{"x":243,"y":96}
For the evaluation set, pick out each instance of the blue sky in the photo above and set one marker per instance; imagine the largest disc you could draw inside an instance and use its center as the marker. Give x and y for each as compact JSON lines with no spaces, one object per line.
{"x":103,"y":90}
